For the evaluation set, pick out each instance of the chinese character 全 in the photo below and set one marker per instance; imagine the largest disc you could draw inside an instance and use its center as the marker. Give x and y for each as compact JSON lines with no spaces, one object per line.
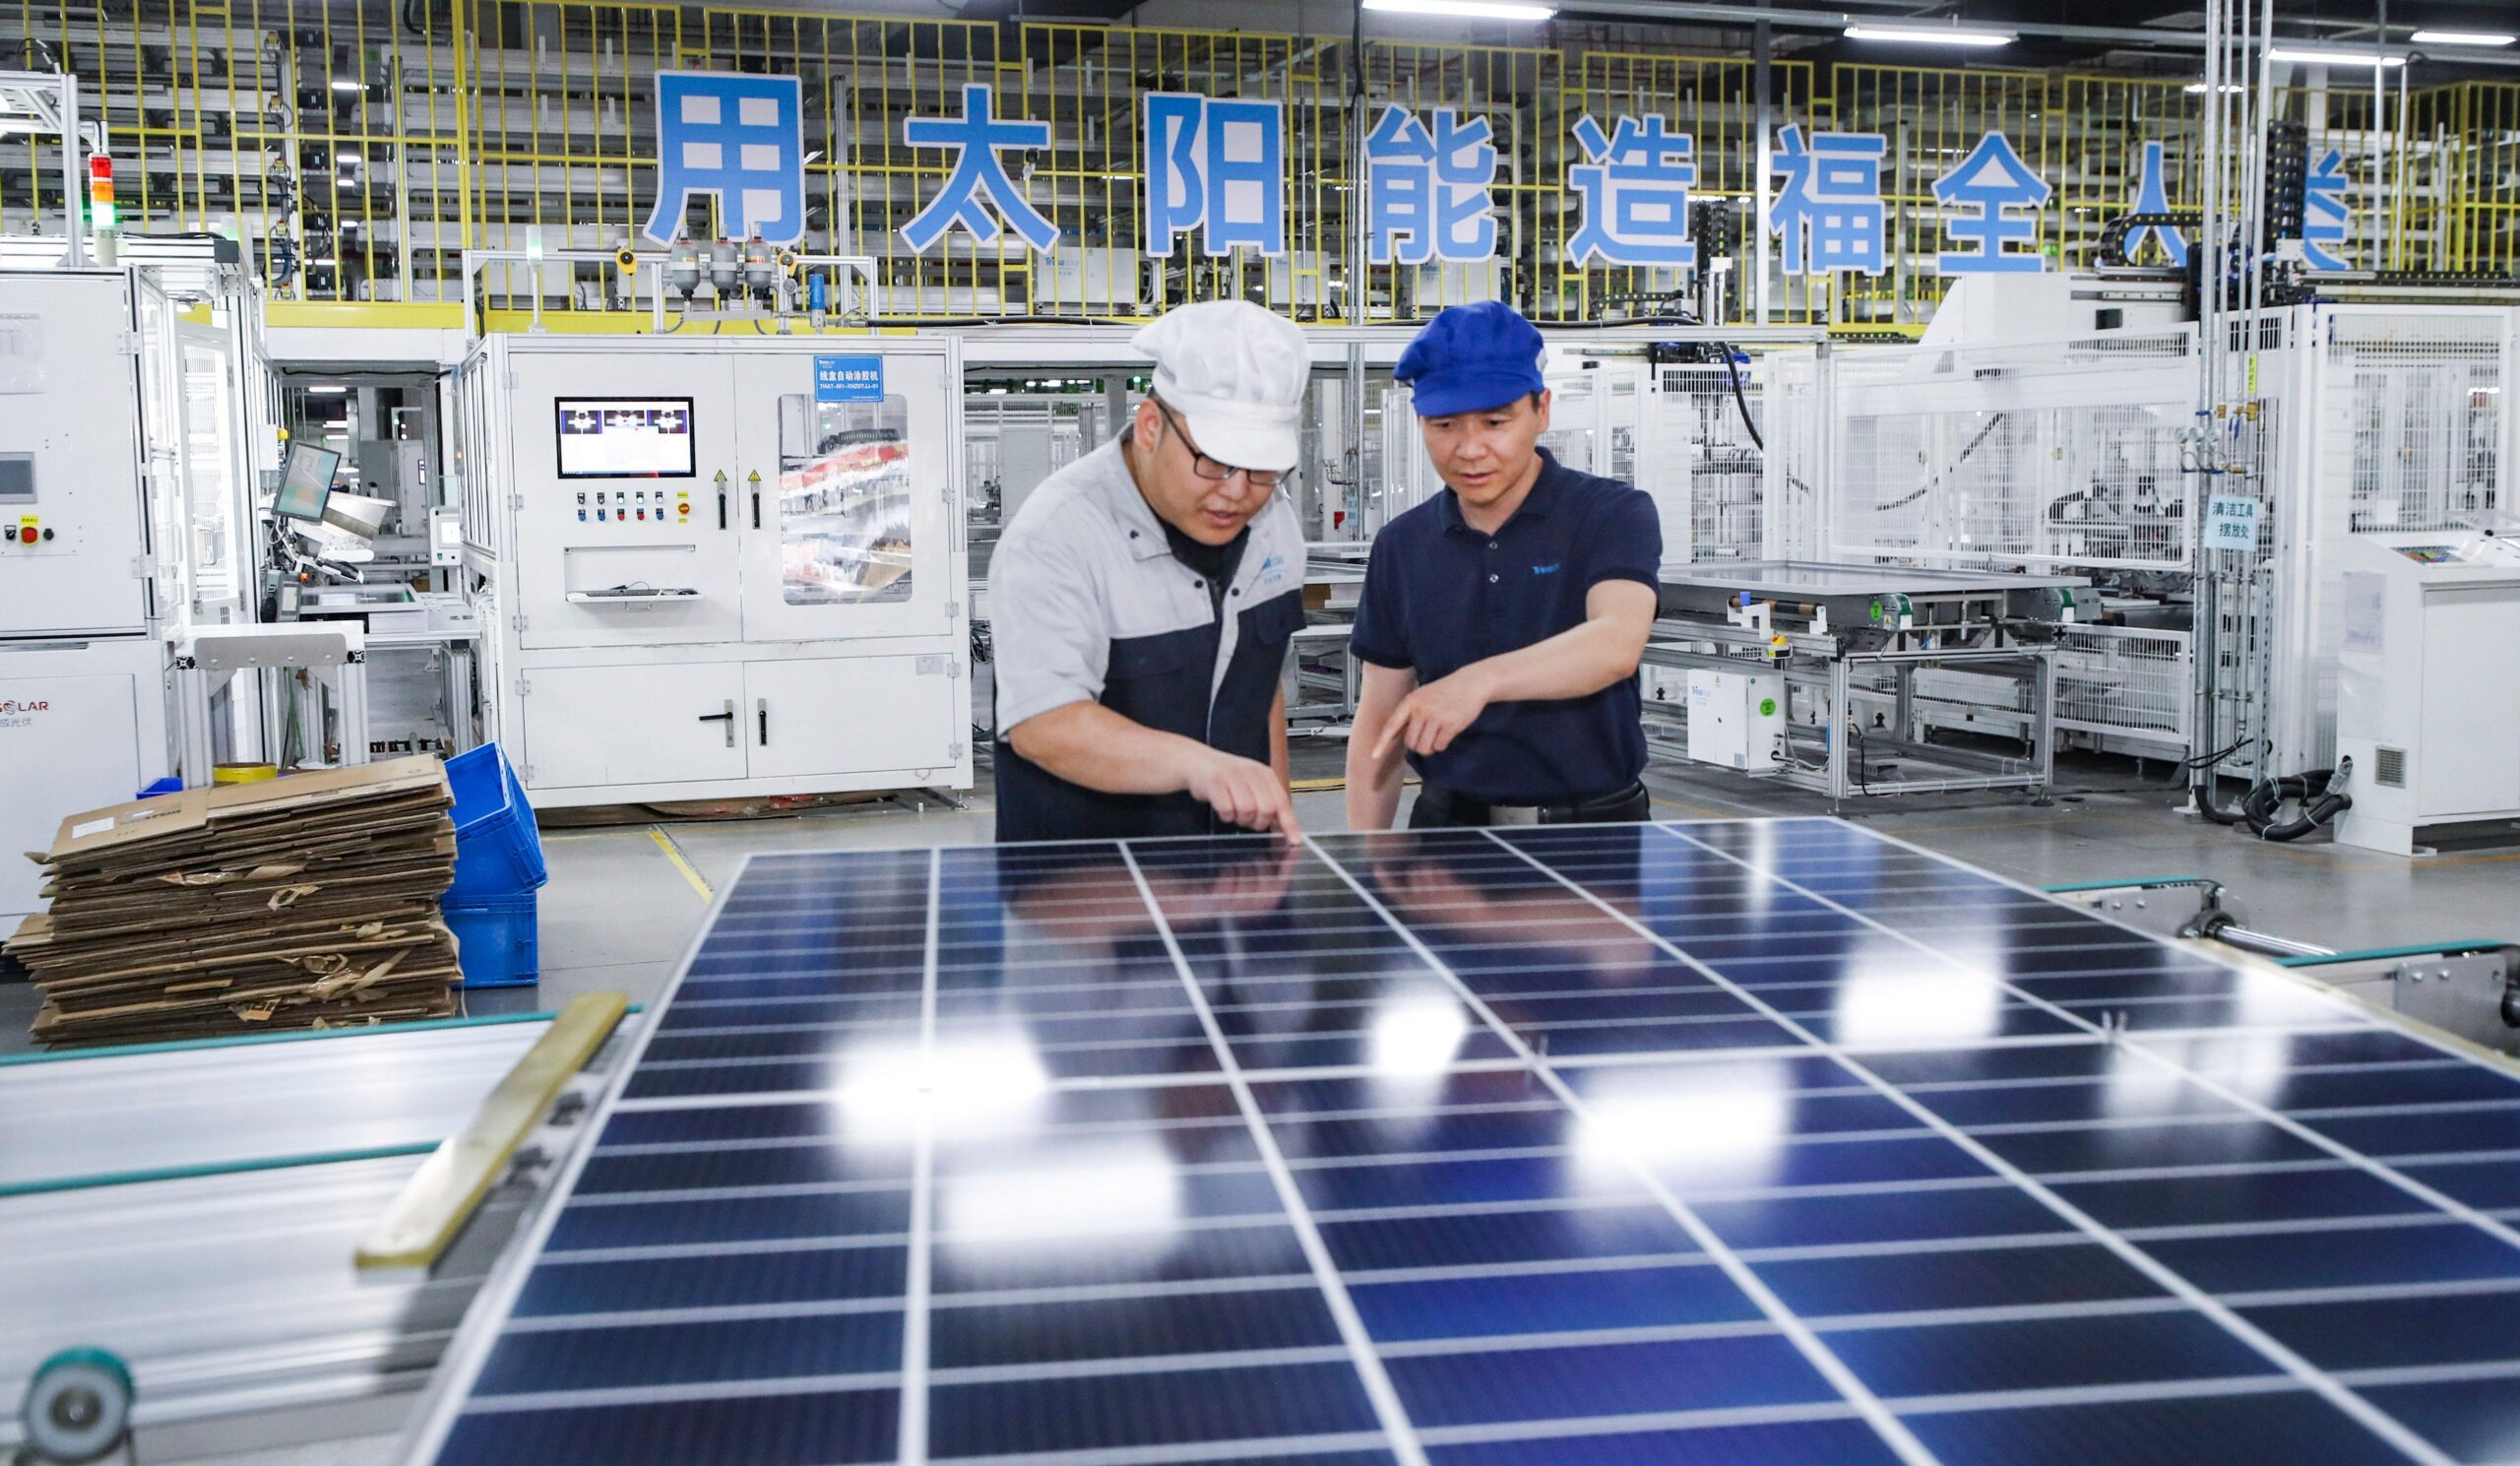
{"x":1990,"y":192}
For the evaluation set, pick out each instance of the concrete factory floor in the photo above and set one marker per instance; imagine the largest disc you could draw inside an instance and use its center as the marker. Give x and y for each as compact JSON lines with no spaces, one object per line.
{"x":624,"y":900}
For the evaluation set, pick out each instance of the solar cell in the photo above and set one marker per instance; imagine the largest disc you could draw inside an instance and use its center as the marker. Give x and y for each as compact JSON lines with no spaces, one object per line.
{"x":1690,"y":1143}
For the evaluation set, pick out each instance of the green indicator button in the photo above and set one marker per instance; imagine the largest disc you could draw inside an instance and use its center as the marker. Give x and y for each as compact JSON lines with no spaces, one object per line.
{"x":1767,"y":707}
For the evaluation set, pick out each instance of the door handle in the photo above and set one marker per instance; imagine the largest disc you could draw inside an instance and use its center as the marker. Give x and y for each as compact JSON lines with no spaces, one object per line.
{"x":761,"y":708}
{"x":755,"y":482}
{"x":728,"y":718}
{"x":722,"y":498}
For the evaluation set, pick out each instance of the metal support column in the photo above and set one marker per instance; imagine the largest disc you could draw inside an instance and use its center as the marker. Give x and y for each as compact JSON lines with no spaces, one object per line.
{"x":1754,"y":251}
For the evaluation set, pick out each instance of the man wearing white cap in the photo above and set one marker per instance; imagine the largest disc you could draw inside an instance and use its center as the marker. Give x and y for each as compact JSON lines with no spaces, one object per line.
{"x":1144,"y":597}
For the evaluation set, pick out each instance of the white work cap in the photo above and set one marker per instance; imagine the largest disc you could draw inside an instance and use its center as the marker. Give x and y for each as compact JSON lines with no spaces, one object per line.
{"x":1234,"y":374}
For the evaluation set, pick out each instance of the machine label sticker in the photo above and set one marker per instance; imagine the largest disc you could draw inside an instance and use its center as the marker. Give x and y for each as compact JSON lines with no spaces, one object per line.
{"x":85,"y":828}
{"x":848,"y":379}
{"x":2230,"y":522}
{"x":2366,"y":613}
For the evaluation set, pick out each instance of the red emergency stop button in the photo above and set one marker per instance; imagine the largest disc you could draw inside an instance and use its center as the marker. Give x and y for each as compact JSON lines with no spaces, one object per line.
{"x":26,"y":533}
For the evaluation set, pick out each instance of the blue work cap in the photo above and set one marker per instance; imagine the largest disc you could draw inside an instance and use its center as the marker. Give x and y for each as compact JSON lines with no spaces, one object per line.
{"x":1472,"y":357}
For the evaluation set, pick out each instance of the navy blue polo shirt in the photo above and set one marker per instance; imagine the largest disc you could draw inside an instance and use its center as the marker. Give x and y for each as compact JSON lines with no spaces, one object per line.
{"x":1439,"y":594}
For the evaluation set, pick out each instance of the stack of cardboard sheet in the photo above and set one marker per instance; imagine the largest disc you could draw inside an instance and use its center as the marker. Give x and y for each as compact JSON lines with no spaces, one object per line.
{"x":305,"y":901}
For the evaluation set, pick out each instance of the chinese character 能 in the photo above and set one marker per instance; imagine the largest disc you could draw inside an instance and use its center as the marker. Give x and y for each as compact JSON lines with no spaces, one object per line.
{"x":1427,"y":192}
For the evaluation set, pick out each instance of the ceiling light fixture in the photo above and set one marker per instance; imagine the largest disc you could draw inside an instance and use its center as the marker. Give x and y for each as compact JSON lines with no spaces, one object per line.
{"x":348,"y":83}
{"x":1928,"y":36}
{"x":2230,"y":89}
{"x":2463,"y":38}
{"x":1471,"y":10}
{"x":2321,"y":57}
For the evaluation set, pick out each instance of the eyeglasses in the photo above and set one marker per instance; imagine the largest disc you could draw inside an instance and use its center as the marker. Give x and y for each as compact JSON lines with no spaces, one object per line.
{"x":1210,"y":469}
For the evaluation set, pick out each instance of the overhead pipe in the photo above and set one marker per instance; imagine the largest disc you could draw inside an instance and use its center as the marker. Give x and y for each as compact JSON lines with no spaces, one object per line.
{"x":2141,"y":37}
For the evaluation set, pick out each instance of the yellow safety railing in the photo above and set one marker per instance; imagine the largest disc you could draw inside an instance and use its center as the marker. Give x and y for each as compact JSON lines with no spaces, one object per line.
{"x":359,"y":147}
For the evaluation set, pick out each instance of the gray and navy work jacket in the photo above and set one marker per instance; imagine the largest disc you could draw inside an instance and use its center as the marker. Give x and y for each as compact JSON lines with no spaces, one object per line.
{"x":1088,"y":604}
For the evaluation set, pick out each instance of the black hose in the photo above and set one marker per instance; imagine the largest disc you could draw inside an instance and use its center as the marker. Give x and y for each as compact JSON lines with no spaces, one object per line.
{"x":1738,"y":400}
{"x":1975,"y":444}
{"x":2319,"y":793}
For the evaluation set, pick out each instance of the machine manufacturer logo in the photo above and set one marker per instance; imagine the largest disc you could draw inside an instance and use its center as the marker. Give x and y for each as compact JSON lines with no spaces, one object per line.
{"x":20,"y":714}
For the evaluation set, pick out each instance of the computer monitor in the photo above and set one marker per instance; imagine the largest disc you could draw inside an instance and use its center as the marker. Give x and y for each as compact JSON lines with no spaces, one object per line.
{"x":306,"y":482}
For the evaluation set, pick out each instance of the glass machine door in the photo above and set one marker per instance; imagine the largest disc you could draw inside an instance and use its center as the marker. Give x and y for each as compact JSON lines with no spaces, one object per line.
{"x":846,"y":476}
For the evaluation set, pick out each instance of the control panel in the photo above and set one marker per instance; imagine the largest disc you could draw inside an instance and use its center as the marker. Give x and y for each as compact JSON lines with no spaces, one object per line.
{"x":624,"y":509}
{"x":626,"y":527}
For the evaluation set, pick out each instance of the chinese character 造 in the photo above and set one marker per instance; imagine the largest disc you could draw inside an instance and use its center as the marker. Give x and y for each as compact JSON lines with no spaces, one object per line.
{"x":2152,"y":196}
{"x":1636,"y":194}
{"x":1217,"y":165}
{"x":1830,"y":212}
{"x":978,"y":192}
{"x":1427,"y":193}
{"x":737,"y":138}
{"x":2323,"y":213}
{"x":1990,"y":192}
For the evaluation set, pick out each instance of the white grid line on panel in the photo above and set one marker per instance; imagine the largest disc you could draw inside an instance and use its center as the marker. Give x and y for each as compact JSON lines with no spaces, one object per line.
{"x":1400,"y":1434}
{"x":1831,"y":1369}
{"x":2379,"y":1422}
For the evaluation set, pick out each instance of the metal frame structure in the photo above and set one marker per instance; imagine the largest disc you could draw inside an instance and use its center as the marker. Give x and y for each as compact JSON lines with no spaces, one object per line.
{"x":48,"y":102}
{"x":360,"y":149}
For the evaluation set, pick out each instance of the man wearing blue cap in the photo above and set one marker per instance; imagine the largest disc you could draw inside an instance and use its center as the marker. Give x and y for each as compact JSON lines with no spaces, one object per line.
{"x":1501,"y":622}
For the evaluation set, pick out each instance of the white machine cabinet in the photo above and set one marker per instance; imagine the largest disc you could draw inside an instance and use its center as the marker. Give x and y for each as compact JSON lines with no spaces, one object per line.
{"x":83,"y":701}
{"x":2429,"y":688}
{"x":719,"y":568}
{"x":75,"y":560}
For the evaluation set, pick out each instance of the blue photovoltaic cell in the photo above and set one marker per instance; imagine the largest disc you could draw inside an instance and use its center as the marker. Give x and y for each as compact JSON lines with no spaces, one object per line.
{"x":1677,"y":1145}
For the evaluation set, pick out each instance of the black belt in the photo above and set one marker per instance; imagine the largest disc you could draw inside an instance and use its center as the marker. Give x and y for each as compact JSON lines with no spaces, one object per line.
{"x":1443,"y":803}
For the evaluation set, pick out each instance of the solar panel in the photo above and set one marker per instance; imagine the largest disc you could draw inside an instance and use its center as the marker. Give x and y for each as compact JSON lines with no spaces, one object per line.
{"x":1770,"y":1140}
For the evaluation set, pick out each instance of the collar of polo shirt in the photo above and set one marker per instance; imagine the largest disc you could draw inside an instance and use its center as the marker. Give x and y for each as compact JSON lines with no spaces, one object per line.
{"x":1137,"y":515}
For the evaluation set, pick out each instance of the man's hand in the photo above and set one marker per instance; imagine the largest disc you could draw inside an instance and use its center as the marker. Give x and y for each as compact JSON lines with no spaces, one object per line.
{"x":1245,"y":792}
{"x":1431,"y":717}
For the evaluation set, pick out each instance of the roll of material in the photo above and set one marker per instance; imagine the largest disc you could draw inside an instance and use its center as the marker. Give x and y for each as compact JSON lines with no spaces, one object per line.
{"x":242,"y":773}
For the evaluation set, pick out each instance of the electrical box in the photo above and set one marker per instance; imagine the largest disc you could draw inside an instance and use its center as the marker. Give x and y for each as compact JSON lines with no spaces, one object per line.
{"x":73,"y":553}
{"x":2429,"y":688}
{"x":1736,"y":719}
{"x":731,"y":568}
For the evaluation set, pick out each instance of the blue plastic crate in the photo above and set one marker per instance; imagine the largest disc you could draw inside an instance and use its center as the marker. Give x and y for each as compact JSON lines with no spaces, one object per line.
{"x":497,"y":850}
{"x":172,"y":784}
{"x":499,"y":939}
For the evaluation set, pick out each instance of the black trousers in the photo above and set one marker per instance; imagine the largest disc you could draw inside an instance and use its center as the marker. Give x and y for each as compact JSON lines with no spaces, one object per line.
{"x":1440,"y":809}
